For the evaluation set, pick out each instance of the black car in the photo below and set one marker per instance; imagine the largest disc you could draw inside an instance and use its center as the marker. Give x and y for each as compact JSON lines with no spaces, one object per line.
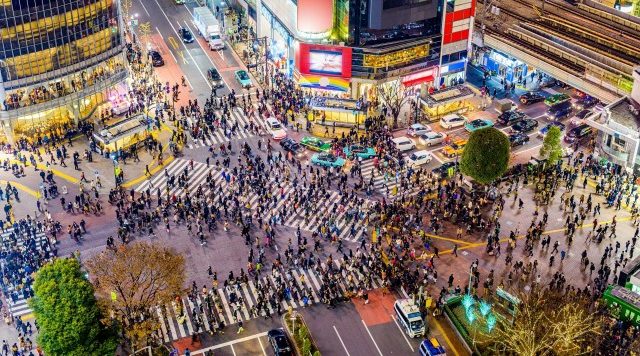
{"x":586,"y":102}
{"x":578,"y":133}
{"x":511,"y":117}
{"x":518,"y":139}
{"x":279,"y":342}
{"x":186,"y":35}
{"x":525,"y":125}
{"x":531,"y":97}
{"x":156,"y":59}
{"x":290,"y":145}
{"x":215,"y":78}
{"x":442,"y":170}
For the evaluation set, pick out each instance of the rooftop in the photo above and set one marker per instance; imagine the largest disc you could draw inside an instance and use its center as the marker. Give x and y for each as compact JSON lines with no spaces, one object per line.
{"x":623,"y":113}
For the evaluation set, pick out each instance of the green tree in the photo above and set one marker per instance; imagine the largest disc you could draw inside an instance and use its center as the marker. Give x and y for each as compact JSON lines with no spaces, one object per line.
{"x":551,"y":149}
{"x":486,"y":156}
{"x":67,"y":312}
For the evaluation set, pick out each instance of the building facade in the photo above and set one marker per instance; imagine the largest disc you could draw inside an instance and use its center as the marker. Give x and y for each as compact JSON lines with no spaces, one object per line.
{"x":349,"y":47}
{"x":58,"y":60}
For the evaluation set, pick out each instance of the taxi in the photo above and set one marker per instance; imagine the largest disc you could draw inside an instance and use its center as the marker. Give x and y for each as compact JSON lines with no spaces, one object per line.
{"x":276,"y":129}
{"x":431,"y":347}
{"x":455,"y":148}
{"x":315,"y":144}
{"x":359,"y":151}
{"x":327,"y":160}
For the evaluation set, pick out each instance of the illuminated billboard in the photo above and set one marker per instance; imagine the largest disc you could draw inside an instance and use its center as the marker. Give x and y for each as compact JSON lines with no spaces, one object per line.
{"x":325,"y":62}
{"x":315,"y":16}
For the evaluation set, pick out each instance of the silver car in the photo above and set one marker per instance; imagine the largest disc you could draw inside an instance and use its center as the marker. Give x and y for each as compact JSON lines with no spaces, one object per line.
{"x":432,"y":138}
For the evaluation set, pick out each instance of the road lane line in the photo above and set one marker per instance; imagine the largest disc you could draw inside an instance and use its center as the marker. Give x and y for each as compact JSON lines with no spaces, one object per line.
{"x":228,"y":343}
{"x":183,"y":44}
{"x":262,"y":347}
{"x":207,"y":55}
{"x":233,"y":350}
{"x":342,"y":342}
{"x":145,"y":8}
{"x":403,"y":333}
{"x":371,"y":336}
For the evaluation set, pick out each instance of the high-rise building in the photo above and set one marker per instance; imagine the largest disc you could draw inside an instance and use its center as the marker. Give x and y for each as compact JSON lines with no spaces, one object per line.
{"x":354,"y":46}
{"x":58,"y":60}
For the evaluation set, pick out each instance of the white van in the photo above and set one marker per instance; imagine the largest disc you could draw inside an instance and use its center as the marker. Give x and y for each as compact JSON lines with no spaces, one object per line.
{"x":404,"y":143}
{"x":452,"y":120}
{"x":409,"y":317}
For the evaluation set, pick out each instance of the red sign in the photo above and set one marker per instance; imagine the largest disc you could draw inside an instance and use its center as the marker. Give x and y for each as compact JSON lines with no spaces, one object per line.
{"x":330,"y":61}
{"x":425,"y":76}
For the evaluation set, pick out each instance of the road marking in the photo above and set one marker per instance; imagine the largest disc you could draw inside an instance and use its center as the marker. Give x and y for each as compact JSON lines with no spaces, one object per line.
{"x":403,"y":333}
{"x":185,"y":46}
{"x":229,"y":343}
{"x":233,"y":350}
{"x":207,"y":55}
{"x":446,"y":337}
{"x":145,"y":8}
{"x":173,"y":42}
{"x":262,"y":347}
{"x":342,"y":342}
{"x":371,"y":336}
{"x":184,"y":60}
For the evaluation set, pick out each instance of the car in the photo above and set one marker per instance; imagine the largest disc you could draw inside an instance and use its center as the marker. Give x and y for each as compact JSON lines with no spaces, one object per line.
{"x":276,"y":129}
{"x":452,"y":120}
{"x":578,"y":133}
{"x":156,"y":58}
{"x":186,"y":35}
{"x":327,"y":160}
{"x":419,"y":158}
{"x":518,"y":139}
{"x":290,"y":145}
{"x":454,"y":148}
{"x":543,"y":131}
{"x":280,"y":342}
{"x":404,"y":143}
{"x":243,"y":78}
{"x":315,"y":144}
{"x":508,"y":118}
{"x":180,"y":2}
{"x":586,"y":102}
{"x":579,"y":117}
{"x":557,"y":99}
{"x":525,"y":125}
{"x":531,"y":98}
{"x":215,"y":78}
{"x":559,"y":111}
{"x":359,"y":151}
{"x":417,"y":130}
{"x":431,"y":347}
{"x":477,"y":124}
{"x":432,"y":138}
{"x":444,"y":168}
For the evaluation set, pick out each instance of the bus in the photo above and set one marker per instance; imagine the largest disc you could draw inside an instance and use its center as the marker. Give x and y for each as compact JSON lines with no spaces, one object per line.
{"x":623,"y":303}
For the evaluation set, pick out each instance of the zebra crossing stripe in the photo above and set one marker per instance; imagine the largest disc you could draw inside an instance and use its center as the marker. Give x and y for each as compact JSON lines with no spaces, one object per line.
{"x":205,"y":319}
{"x":226,"y":306}
{"x":163,"y":327}
{"x":175,"y":311}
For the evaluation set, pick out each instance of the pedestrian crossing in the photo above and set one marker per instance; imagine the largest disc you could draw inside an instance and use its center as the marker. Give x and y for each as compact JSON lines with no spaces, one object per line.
{"x":392,"y":185}
{"x":347,"y":222}
{"x":17,"y":299}
{"x":218,"y":134}
{"x":248,"y":300}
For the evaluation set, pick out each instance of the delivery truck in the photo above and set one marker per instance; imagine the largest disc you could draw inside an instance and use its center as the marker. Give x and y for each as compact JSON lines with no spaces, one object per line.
{"x":208,"y":27}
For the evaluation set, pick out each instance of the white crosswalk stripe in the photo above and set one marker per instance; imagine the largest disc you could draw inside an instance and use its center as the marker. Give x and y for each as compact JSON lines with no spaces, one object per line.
{"x":387,"y":186}
{"x":176,"y":324}
{"x":218,"y":135}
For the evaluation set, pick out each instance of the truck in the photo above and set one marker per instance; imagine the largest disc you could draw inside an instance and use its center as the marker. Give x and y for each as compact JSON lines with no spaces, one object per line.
{"x":208,"y":27}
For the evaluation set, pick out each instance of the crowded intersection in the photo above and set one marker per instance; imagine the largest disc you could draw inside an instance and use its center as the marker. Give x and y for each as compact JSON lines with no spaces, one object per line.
{"x":284,"y":202}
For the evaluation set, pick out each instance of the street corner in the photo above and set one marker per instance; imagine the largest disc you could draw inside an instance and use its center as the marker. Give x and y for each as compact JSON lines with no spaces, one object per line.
{"x":378,"y":310}
{"x":186,"y":343}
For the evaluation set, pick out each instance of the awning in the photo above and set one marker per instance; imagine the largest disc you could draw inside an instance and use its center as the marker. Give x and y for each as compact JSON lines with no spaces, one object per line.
{"x":418,"y":78}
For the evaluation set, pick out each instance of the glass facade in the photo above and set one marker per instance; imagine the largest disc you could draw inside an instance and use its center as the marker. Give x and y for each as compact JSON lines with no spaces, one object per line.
{"x":57,"y":60}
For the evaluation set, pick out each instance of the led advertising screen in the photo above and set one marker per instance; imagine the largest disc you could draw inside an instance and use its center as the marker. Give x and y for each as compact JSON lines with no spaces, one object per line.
{"x":325,"y":62}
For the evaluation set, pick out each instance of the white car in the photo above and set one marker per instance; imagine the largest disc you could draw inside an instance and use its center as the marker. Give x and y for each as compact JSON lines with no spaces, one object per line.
{"x":432,"y":138}
{"x":419,"y":158}
{"x":418,"y":129}
{"x":276,"y":129}
{"x":452,"y":120}
{"x":404,"y":144}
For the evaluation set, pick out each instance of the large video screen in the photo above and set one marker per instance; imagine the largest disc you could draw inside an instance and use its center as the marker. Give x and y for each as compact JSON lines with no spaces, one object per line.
{"x":325,"y":62}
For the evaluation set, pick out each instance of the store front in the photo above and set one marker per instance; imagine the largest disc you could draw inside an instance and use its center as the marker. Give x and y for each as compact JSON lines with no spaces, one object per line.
{"x":503,"y":66}
{"x":345,"y":112}
{"x":452,"y":74}
{"x":281,"y":42}
{"x":124,"y":134}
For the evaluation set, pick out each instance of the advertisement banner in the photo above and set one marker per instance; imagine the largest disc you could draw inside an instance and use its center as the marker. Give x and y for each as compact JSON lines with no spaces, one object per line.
{"x":329,"y":61}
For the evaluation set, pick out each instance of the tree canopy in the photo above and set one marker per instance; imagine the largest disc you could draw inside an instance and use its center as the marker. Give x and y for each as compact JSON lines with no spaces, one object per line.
{"x":551,"y":149}
{"x":135,"y":278}
{"x":68,"y":315}
{"x":486,"y":156}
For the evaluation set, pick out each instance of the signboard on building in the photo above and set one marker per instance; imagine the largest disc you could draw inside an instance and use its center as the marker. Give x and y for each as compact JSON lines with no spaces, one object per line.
{"x":396,"y":58}
{"x":332,"y":61}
